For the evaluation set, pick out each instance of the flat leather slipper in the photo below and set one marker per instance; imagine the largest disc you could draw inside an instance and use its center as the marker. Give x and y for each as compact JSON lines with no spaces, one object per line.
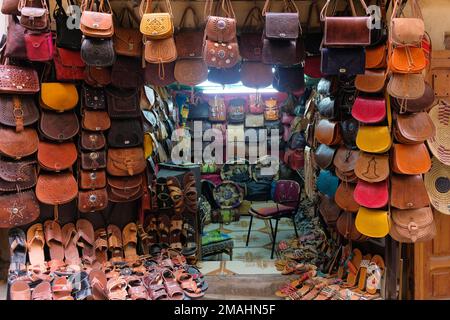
{"x":115,"y":245}
{"x":35,"y":244}
{"x":176,"y":227}
{"x":54,"y":240}
{"x":62,"y":289}
{"x":98,"y":281}
{"x":136,"y":289}
{"x":86,"y":240}
{"x":117,"y":288}
{"x":129,"y":239}
{"x":43,"y":291}
{"x":20,"y":290}
{"x":101,"y":246}
{"x":69,"y":234}
{"x":353,"y":265}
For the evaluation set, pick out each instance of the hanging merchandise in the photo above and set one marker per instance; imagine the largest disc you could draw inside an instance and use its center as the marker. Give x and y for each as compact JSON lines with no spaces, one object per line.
{"x":127,"y":39}
{"x":34,"y":17}
{"x":437,"y":182}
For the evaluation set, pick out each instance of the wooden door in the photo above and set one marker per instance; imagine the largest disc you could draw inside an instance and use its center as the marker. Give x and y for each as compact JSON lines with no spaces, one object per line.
{"x":432,"y":263}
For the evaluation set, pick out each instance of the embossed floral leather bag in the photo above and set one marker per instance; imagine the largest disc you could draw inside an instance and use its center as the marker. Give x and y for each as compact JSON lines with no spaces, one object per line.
{"x":56,"y":188}
{"x":97,"y":52}
{"x":18,"y":111}
{"x":18,"y":209}
{"x":190,"y":72}
{"x":17,"y":175}
{"x":125,"y":162}
{"x":96,"y":22}
{"x":34,"y":17}
{"x":58,"y":97}
{"x":156,"y":25}
{"x":19,"y":80}
{"x":123,"y":103}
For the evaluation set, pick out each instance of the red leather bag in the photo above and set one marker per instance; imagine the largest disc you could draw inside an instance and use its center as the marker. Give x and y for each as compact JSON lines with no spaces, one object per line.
{"x":369,"y":110}
{"x":312,"y":66}
{"x":39,"y":46}
{"x":68,"y":65}
{"x":371,"y":195}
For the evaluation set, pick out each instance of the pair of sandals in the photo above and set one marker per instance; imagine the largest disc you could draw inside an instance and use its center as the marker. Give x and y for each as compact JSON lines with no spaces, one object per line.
{"x":122,"y":245}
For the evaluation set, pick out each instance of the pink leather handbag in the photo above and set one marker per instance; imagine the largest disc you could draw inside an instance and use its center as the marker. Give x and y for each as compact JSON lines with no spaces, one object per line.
{"x":39,"y":46}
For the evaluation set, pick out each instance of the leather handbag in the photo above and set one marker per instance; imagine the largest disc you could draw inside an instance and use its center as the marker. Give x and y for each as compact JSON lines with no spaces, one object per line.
{"x":58,"y":127}
{"x":289,"y":79}
{"x":93,"y":98}
{"x":92,"y":200}
{"x":312,"y":66}
{"x":160,"y":75}
{"x":345,"y":225}
{"x":376,"y":57}
{"x":254,"y":120}
{"x":343,"y":61}
{"x":18,"y":111}
{"x":372,"y":81}
{"x":407,"y":60}
{"x":90,"y":180}
{"x":225,"y":75}
{"x":369,"y":110}
{"x":345,"y":159}
{"x":97,"y":52}
{"x":326,"y":108}
{"x":407,"y":31}
{"x":324,"y":155}
{"x":327,"y":183}
{"x":372,"y":223}
{"x":189,"y":41}
{"x":372,"y":167}
{"x":408,"y":192}
{"x":250,"y":39}
{"x":280,"y":52}
{"x":406,"y":86}
{"x":190,"y":72}
{"x":156,"y":25}
{"x":349,"y":129}
{"x":236,"y":110}
{"x":96,"y":24}
{"x":15,"y":39}
{"x":97,"y":76}
{"x":374,"y":139}
{"x":56,"y":188}
{"x":124,"y":189}
{"x":344,"y":197}
{"x":92,"y":141}
{"x":34,"y":17}
{"x":123,"y":103}
{"x":221,"y":55}
{"x":93,"y":120}
{"x":328,"y":132}
{"x":414,"y":128}
{"x":16,"y":176}
{"x":160,"y":51}
{"x":17,"y":145}
{"x":422,"y":103}
{"x":127,"y":39}
{"x":18,"y":80}
{"x":220,"y":29}
{"x":329,"y":210}
{"x":125,"y":162}
{"x":412,"y":226}
{"x":132,"y":68}
{"x":371,"y":194}
{"x":68,"y":65}
{"x":10,"y":7}
{"x":93,"y":160}
{"x":217,"y":109}
{"x":125,"y":134}
{"x":337,"y":29}
{"x":67,"y":38}
{"x":410,"y":159}
{"x":18,"y":209}
{"x":256,"y":74}
{"x":281,"y":25}
{"x":295,"y":159}
{"x":58,"y":97}
{"x":56,"y":156}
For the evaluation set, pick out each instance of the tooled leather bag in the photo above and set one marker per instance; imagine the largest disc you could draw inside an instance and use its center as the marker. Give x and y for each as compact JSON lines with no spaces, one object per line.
{"x":92,"y":141}
{"x":160,"y":51}
{"x":17,"y":145}
{"x":414,"y":128}
{"x":343,"y":61}
{"x":17,"y":175}
{"x":125,"y":162}
{"x":410,"y":159}
{"x":156,"y":25}
{"x":281,"y":25}
{"x":220,"y":28}
{"x":127,"y":39}
{"x":95,"y":120}
{"x":408,"y":192}
{"x":407,"y":31}
{"x":93,"y":160}
{"x":221,"y":55}
{"x":18,"y":111}
{"x":93,"y":98}
{"x":129,"y":66}
{"x":123,"y":103}
{"x":189,"y":41}
{"x":18,"y":209}
{"x":56,"y":156}
{"x":92,"y":179}
{"x":98,"y":23}
{"x":34,"y":17}
{"x":190,"y":72}
{"x":66,"y":37}
{"x":125,"y":189}
{"x":250,"y":39}
{"x":160,"y":75}
{"x":324,"y":155}
{"x":68,"y":65}
{"x":329,"y":210}
{"x":97,"y":76}
{"x":18,"y":80}
{"x":289,"y":79}
{"x":56,"y":188}
{"x":15,"y":40}
{"x":415,"y":225}
{"x":346,"y":31}
{"x":92,"y":200}
{"x":372,"y":167}
{"x":97,"y":52}
{"x":256,"y":74}
{"x":125,"y":134}
{"x":59,"y":126}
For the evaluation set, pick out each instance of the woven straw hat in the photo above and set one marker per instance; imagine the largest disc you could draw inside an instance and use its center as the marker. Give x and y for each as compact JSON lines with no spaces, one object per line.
{"x":440,"y":143}
{"x":437,"y":183}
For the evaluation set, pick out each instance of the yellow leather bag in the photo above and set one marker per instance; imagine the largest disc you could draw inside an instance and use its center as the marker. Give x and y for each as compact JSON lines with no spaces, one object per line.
{"x":58,"y":97}
{"x":149,"y":144}
{"x":156,"y":25}
{"x":372,"y":223}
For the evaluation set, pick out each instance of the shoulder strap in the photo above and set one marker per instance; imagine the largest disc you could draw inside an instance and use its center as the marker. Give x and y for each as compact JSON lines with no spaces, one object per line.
{"x":254,"y":15}
{"x":194,"y":17}
{"x":323,"y":13}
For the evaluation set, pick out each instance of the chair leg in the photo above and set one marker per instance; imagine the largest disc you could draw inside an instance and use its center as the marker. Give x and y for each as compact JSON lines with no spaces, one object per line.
{"x":271,"y":227}
{"x":274,"y":239}
{"x":295,"y":226}
{"x":249,"y":230}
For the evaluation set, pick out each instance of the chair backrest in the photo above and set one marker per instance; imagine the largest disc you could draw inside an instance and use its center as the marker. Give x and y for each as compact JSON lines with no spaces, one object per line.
{"x":287,"y":192}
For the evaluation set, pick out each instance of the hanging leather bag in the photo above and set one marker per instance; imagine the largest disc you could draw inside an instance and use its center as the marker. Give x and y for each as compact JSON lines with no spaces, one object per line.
{"x":19,"y":80}
{"x":15,"y":40}
{"x":189,"y":41}
{"x":97,"y":52}
{"x":39,"y":46}
{"x":250,"y":39}
{"x":127,"y":39}
{"x":34,"y":17}
{"x":129,"y":66}
{"x":407,"y":31}
{"x":123,"y":103}
{"x":156,"y":25}
{"x":343,"y":61}
{"x":68,"y":38}
{"x":281,"y":25}
{"x":68,"y":65}
{"x":96,"y":22}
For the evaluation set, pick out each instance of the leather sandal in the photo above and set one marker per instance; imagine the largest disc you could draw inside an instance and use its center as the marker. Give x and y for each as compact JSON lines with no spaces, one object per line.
{"x":136,"y":289}
{"x":101,"y":246}
{"x":363,"y":272}
{"x":190,"y":246}
{"x":20,"y":290}
{"x":353,"y":266}
{"x":117,"y":288}
{"x":164,"y":229}
{"x":375,"y":272}
{"x":173,"y":289}
{"x":151,"y":228}
{"x":86,"y":240}
{"x":18,"y":251}
{"x":81,"y":285}
{"x":54,"y":240}
{"x":62,"y":289}
{"x":144,"y":237}
{"x":129,"y":239}
{"x":98,"y":281}
{"x":115,"y":243}
{"x":69,"y":234}
{"x":176,"y":195}
{"x":176,"y":227}
{"x":43,"y":291}
{"x":35,"y":244}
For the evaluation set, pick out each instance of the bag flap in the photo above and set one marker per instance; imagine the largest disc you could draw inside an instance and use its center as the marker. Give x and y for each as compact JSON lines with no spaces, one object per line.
{"x":408,"y":60}
{"x":70,"y":58}
{"x":412,"y":219}
{"x":416,"y":127}
{"x":344,"y":197}
{"x":18,"y":209}
{"x":372,"y":195}
{"x":408,"y":192}
{"x":96,"y":120}
{"x":18,"y":144}
{"x":411,"y":158}
{"x":327,"y":131}
{"x":345,"y":159}
{"x":369,"y":110}
{"x":374,"y":139}
{"x":324,"y":155}
{"x":372,"y":167}
{"x":371,"y":81}
{"x":124,"y":183}
{"x":282,"y":25}
{"x":57,"y":156}
{"x":97,"y":20}
{"x":376,"y":57}
{"x":406,"y":86}
{"x":155,"y":24}
{"x":407,"y":31}
{"x":59,"y":96}
{"x":372,"y":223}
{"x":336,"y":31}
{"x":17,"y":171}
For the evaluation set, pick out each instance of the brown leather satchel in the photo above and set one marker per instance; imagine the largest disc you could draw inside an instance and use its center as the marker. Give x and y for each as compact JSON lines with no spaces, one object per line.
{"x":220,"y":28}
{"x":99,"y":23}
{"x":92,"y":179}
{"x":18,"y":111}
{"x":34,"y":17}
{"x":18,"y":209}
{"x":329,"y":210}
{"x":127,"y":38}
{"x":371,"y":81}
{"x":59,"y":126}
{"x":221,"y":54}
{"x":414,"y":128}
{"x":406,"y":86}
{"x":125,"y":189}
{"x":250,"y":39}
{"x":129,"y":66}
{"x":346,"y":227}
{"x":281,"y":25}
{"x":160,"y":51}
{"x":17,"y":175}
{"x":376,"y":57}
{"x":92,"y":200}
{"x":93,"y":160}
{"x":92,"y":141}
{"x":408,"y":192}
{"x":57,"y":156}
{"x":17,"y":145}
{"x":189,"y":41}
{"x":345,"y":159}
{"x":15,"y":38}
{"x":125,"y":162}
{"x":423,"y":103}
{"x":372,"y":167}
{"x":190,"y":72}
{"x":125,"y":134}
{"x":56,"y":188}
{"x":410,"y":226}
{"x":97,"y":76}
{"x":344,"y":197}
{"x":323,"y":156}
{"x":93,"y":98}
{"x":123,"y":103}
{"x":410,"y":159}
{"x":18,"y":80}
{"x":328,"y":132}
{"x":95,"y":120}
{"x":160,"y":75}
{"x":256,"y":74}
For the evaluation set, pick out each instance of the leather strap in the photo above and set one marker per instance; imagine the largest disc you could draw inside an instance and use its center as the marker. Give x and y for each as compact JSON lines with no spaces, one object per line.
{"x":146,"y":7}
{"x":287,"y":4}
{"x":194,"y":17}
{"x":224,"y":6}
{"x":323,"y":13}
{"x":18,"y":113}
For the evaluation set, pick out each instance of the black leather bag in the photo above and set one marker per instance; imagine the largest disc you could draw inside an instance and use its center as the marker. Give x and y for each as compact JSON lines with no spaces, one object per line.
{"x":258,"y":190}
{"x":125,"y":134}
{"x":199,"y":110}
{"x":343,"y":61}
{"x":97,"y":52}
{"x":289,"y":79}
{"x":127,"y":73}
{"x":68,"y":38}
{"x":225,"y":76}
